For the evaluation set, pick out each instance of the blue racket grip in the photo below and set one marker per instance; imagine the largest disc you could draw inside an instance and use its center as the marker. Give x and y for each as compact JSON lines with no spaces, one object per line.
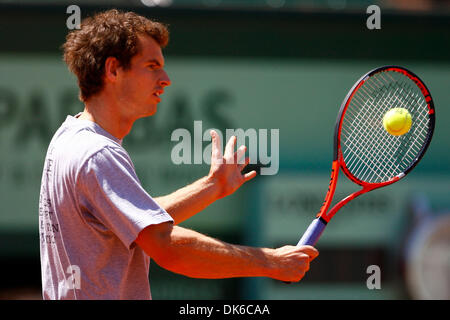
{"x":312,"y":234}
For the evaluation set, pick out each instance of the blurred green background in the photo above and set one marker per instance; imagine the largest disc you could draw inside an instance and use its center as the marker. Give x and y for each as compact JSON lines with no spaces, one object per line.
{"x":275,"y":64}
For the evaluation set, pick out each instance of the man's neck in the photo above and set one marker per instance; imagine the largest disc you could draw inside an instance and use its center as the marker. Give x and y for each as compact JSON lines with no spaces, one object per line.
{"x":105,"y":115}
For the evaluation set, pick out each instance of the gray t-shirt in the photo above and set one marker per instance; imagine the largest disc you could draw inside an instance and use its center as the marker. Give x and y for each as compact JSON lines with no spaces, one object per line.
{"x":92,"y":207}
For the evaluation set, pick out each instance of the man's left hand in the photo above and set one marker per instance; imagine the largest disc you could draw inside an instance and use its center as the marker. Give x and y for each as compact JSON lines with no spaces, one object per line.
{"x":226,"y":169}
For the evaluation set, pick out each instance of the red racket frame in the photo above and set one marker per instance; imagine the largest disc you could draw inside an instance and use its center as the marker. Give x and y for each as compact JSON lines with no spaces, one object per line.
{"x":338,"y":161}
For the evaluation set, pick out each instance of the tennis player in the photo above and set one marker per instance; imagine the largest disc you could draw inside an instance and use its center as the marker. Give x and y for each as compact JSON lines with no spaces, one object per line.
{"x":98,"y":226}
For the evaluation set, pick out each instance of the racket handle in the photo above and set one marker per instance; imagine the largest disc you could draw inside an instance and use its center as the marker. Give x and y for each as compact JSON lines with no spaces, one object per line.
{"x":313,"y":233}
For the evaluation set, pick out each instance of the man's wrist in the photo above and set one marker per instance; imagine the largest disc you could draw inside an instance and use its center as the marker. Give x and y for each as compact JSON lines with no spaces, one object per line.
{"x":212,"y":185}
{"x":270,"y":266}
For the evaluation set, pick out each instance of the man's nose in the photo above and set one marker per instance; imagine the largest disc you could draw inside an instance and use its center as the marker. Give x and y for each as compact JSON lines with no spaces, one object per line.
{"x":165,"y":80}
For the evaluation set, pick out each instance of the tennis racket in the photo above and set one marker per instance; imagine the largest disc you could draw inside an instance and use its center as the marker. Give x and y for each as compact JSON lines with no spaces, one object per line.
{"x":366,"y":153}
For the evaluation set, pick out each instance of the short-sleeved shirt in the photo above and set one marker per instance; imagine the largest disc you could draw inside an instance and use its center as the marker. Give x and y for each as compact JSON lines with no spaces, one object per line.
{"x":92,"y":207}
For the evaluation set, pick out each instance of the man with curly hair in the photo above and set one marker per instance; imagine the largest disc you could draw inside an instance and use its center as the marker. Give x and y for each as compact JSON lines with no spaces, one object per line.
{"x":95,"y":218}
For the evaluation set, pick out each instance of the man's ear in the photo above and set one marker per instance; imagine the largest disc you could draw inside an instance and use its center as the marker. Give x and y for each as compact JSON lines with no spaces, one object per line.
{"x":111,"y":66}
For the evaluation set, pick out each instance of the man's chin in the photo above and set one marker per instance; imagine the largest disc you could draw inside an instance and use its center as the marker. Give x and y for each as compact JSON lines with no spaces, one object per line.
{"x":150,"y":111}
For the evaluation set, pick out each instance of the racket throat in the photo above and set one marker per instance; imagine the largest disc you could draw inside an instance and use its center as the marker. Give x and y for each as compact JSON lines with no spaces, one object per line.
{"x":347,"y":199}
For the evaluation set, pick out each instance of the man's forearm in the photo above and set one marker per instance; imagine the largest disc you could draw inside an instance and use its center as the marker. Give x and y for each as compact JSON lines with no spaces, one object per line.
{"x":196,"y":255}
{"x":189,"y":200}
{"x":199,"y":256}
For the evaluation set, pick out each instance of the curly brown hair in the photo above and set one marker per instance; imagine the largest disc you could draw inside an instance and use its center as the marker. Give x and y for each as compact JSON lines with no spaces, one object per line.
{"x":107,"y":34}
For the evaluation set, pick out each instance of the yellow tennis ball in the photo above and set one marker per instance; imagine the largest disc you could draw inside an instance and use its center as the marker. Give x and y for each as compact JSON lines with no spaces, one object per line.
{"x":397,"y":121}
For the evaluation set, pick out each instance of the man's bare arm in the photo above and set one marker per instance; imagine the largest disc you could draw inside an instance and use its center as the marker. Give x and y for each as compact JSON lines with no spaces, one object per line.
{"x":196,"y":255}
{"x":190,"y":200}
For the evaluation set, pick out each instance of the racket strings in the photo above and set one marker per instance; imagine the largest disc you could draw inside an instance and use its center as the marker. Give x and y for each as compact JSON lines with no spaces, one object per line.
{"x":370,"y":153}
{"x":370,"y":102}
{"x":353,"y":163}
{"x":407,"y":100}
{"x":419,"y":126}
{"x":385,"y":166}
{"x":366,"y":145}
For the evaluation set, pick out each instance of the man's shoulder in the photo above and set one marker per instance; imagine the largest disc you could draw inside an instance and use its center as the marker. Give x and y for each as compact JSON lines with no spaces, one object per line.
{"x":77,"y":144}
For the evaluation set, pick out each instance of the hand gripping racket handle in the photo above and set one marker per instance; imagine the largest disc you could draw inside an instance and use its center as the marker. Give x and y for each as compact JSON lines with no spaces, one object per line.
{"x":313,"y":233}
